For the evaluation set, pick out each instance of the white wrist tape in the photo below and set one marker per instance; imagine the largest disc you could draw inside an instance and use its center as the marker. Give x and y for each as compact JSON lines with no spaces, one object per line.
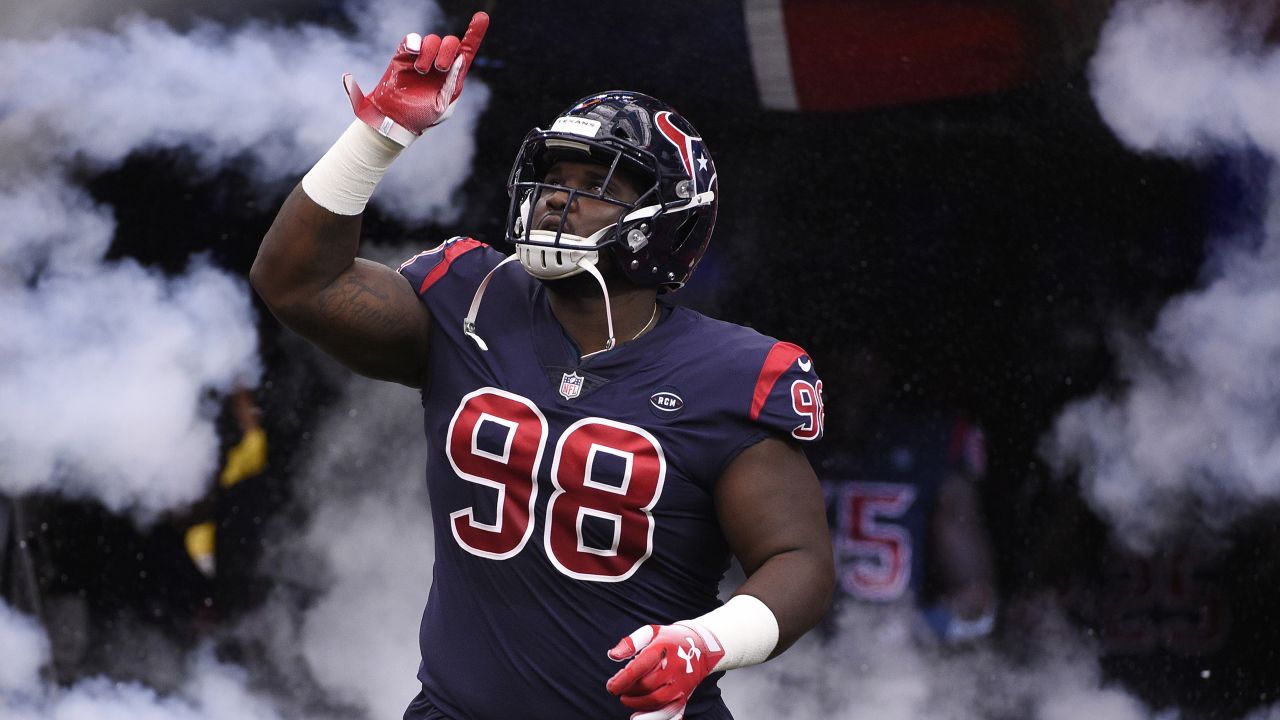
{"x":747,"y":631}
{"x":342,"y":181}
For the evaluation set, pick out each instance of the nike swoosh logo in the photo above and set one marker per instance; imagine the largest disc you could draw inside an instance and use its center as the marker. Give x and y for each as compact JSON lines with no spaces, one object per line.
{"x":805,"y":364}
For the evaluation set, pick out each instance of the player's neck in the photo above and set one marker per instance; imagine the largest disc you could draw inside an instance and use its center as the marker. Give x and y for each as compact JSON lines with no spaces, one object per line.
{"x":582,"y":314}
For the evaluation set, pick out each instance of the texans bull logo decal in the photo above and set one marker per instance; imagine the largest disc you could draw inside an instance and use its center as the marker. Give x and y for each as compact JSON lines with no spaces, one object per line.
{"x":692,"y":152}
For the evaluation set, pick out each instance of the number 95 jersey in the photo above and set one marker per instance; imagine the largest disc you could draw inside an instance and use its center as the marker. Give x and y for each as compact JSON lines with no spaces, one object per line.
{"x":572,"y":498}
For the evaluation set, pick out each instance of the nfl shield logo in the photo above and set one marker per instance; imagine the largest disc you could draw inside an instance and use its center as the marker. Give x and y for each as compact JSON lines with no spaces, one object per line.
{"x":571,"y":385}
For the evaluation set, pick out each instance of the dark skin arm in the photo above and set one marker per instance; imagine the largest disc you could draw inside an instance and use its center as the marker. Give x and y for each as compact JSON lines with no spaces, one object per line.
{"x":964,"y":551}
{"x":770,"y":507}
{"x":364,"y":314}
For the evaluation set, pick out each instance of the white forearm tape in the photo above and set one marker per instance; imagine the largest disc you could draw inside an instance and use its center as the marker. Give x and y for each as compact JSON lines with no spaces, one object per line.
{"x":747,"y":631}
{"x":342,"y":181}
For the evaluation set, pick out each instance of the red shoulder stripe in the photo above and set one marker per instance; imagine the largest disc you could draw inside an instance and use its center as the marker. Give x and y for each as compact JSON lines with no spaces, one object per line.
{"x":452,"y":251}
{"x":780,"y":357}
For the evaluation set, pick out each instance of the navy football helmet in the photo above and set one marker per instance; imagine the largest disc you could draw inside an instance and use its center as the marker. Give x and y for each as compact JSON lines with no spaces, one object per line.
{"x":658,"y":238}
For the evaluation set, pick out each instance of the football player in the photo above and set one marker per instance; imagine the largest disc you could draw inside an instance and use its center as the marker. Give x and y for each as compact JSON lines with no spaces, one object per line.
{"x":596,"y":454}
{"x":902,"y":486}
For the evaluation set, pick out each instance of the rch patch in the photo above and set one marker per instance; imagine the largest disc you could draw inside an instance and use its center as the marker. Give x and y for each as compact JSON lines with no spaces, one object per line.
{"x":666,"y":402}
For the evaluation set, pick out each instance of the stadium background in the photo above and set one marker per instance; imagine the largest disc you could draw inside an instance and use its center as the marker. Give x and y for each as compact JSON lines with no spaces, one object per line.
{"x":969,"y":212}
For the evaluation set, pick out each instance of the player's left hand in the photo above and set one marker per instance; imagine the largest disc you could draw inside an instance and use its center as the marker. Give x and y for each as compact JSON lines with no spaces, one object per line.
{"x":667,"y":663}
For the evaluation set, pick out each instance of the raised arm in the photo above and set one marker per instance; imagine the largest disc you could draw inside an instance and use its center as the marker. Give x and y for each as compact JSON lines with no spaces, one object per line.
{"x":363,"y":313}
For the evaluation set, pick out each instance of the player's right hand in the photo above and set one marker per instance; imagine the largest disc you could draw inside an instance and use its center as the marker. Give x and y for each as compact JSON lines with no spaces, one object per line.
{"x":421,"y":85}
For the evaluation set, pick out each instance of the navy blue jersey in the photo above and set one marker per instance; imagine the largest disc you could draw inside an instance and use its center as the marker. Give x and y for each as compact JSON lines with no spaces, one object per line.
{"x":572,"y":498}
{"x":881,"y":496}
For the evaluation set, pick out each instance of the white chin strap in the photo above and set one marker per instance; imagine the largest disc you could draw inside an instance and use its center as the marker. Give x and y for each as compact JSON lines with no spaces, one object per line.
{"x":585,"y":261}
{"x":589,"y":264}
{"x":469,"y":322}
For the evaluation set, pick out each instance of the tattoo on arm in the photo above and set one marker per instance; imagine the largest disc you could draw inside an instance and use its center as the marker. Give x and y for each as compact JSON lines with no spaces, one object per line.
{"x":355,"y":301}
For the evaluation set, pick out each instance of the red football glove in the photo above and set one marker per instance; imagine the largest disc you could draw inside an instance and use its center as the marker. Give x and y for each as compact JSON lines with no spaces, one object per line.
{"x":421,"y":84}
{"x":669,"y":662}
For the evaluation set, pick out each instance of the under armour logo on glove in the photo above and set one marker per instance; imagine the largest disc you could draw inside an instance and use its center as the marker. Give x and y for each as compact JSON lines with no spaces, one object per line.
{"x":649,"y":683}
{"x":688,"y":657}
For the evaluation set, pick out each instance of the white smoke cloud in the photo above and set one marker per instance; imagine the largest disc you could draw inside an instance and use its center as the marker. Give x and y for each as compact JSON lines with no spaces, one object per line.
{"x":109,"y":362}
{"x":1193,"y":435}
{"x":371,"y":527}
{"x":352,"y":584}
{"x":26,"y":648}
{"x":360,"y":639}
{"x":266,"y":94}
{"x":1268,"y":713}
{"x":1188,"y":79}
{"x":105,"y":368}
{"x":39,"y":20}
{"x":873,"y":670}
{"x":214,"y":691}
{"x":50,"y":224}
{"x":870,"y":669}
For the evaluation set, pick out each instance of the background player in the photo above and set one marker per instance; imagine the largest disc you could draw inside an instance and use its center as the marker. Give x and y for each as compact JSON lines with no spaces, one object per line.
{"x":594,"y":454}
{"x":901,"y":481}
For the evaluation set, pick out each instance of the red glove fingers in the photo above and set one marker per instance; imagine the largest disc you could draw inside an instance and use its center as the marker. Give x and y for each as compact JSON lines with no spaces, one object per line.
{"x":641,"y":685}
{"x":633,"y":643}
{"x":405,"y":103}
{"x":426,"y":55}
{"x":471,"y":43}
{"x":448,"y":51}
{"x":442,"y":52}
{"x":643,"y":664}
{"x":668,"y":662}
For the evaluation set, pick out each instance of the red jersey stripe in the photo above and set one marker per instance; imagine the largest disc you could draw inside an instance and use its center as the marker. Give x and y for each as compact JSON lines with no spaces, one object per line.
{"x":780,"y":357}
{"x":452,"y":251}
